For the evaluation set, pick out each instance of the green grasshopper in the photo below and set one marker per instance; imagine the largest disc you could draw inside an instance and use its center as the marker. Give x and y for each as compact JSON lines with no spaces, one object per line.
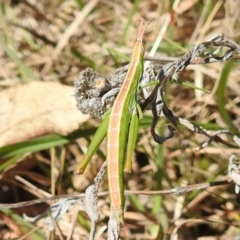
{"x":120,"y":124}
{"x":124,"y":111}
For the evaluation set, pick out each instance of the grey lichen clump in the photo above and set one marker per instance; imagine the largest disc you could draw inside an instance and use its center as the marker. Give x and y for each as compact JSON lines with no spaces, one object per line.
{"x":94,"y":93}
{"x":89,"y":89}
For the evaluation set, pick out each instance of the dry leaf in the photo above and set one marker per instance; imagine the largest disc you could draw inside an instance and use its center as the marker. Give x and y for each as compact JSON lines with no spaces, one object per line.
{"x":37,"y":108}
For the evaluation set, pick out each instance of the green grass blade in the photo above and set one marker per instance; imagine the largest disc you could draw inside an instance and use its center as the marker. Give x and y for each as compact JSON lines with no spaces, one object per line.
{"x":4,"y":26}
{"x":42,"y":143}
{"x":221,"y":97}
{"x":157,"y":200}
{"x":116,"y":56}
{"x":131,"y":14}
{"x":189,"y":85}
{"x":136,"y":202}
{"x":83,"y":58}
{"x":9,"y":162}
{"x":94,"y":145}
{"x":26,"y":72}
{"x":185,"y":84}
{"x":80,"y":3}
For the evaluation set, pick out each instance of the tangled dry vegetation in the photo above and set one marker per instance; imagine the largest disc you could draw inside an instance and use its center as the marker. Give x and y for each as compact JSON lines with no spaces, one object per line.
{"x":44,"y":46}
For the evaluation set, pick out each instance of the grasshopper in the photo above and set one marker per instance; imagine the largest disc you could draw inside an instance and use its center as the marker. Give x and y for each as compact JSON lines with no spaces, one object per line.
{"x":120,"y":125}
{"x":123,"y":119}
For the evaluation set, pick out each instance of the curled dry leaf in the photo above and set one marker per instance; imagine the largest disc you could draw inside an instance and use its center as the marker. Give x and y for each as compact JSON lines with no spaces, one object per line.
{"x":35,"y":109}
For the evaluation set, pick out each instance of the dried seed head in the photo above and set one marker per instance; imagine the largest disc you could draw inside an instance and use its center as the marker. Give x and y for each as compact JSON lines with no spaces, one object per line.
{"x":89,"y":88}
